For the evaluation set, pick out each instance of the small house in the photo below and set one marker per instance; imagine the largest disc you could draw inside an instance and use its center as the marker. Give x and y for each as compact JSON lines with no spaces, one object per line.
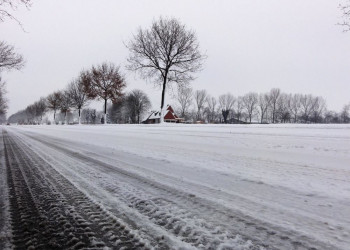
{"x":169,"y":116}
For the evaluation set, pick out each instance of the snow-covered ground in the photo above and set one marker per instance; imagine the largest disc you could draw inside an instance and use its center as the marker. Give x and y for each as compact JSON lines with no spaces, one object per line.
{"x":292,"y":178}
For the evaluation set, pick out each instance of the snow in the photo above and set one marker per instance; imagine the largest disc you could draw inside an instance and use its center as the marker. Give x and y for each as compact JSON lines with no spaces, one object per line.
{"x":296,"y":177}
{"x":5,"y":229}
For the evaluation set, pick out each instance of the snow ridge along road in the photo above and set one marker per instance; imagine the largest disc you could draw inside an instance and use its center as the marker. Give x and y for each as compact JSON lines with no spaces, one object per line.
{"x":110,"y":198}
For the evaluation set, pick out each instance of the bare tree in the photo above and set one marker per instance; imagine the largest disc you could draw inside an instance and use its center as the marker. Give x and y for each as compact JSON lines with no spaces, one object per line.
{"x":184,"y":97}
{"x":166,"y":52}
{"x":226,"y":103}
{"x":211,"y":108}
{"x":264,"y":102}
{"x":137,"y":103}
{"x":77,"y":93}
{"x":200,"y":97}
{"x":295,"y":106}
{"x":9,"y":59}
{"x":318,"y":108}
{"x":3,"y":99}
{"x":239,"y":108}
{"x":250,"y":102}
{"x":306,"y":107}
{"x":53,"y":102}
{"x":40,"y":108}
{"x":65,"y":104}
{"x":274,"y":95}
{"x":105,"y":82}
{"x":345,"y":9}
{"x":283,"y":108}
{"x":31,"y":114}
{"x":345,"y":114}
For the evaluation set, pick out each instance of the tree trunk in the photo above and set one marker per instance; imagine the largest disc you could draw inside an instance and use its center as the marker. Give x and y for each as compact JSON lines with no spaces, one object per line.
{"x":105,"y":115}
{"x":54,"y":117}
{"x":79,"y":120}
{"x":65,"y":118}
{"x":162,"y":103}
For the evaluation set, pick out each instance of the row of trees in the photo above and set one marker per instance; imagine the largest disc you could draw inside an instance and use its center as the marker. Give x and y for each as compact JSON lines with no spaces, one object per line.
{"x":272,"y":107}
{"x":102,"y":82}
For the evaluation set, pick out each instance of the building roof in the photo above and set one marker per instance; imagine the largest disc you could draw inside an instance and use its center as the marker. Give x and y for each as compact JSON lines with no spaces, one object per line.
{"x":169,"y":114}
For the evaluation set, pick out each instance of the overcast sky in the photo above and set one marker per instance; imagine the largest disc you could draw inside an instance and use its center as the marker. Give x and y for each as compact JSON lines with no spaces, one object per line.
{"x":252,"y":45}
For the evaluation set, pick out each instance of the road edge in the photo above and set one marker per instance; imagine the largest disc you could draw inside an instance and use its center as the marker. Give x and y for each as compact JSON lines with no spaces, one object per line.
{"x":5,"y":225}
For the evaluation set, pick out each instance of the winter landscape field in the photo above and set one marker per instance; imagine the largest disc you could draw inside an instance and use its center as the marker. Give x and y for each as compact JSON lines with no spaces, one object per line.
{"x":175,"y":186}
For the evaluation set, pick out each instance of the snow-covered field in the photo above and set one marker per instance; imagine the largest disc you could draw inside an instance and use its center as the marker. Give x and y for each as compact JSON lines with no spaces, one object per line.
{"x":241,"y":186}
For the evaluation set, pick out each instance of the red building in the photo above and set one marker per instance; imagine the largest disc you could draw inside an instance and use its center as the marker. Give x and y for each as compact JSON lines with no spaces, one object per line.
{"x":169,"y":116}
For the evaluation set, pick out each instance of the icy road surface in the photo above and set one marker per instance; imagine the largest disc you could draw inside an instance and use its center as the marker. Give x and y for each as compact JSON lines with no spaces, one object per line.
{"x":175,"y":186}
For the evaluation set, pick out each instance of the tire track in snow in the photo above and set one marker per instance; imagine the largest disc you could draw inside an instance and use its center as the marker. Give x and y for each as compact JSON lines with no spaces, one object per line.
{"x":180,"y":213}
{"x":48,"y":212}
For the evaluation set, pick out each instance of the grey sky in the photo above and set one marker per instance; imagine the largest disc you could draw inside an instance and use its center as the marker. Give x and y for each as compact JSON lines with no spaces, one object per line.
{"x":252,"y":45}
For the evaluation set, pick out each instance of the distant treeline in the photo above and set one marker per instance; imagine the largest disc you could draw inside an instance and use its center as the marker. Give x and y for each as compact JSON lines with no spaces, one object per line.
{"x":195,"y":106}
{"x":272,"y":107}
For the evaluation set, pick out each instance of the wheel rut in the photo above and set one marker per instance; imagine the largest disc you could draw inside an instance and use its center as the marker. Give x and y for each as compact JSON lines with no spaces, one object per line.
{"x":48,"y":212}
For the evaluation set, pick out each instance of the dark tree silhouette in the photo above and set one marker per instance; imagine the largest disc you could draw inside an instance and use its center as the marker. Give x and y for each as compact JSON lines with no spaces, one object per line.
{"x":137,"y":103}
{"x":250,"y":102}
{"x":166,"y":52}
{"x":77,"y":93}
{"x":53,"y":102}
{"x":40,"y":108}
{"x":9,"y":59}
{"x":226,"y":103}
{"x":65,"y":104}
{"x":104,"y":82}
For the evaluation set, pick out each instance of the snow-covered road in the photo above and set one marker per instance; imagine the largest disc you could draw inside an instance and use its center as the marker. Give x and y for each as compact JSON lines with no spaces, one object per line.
{"x":202,"y":186}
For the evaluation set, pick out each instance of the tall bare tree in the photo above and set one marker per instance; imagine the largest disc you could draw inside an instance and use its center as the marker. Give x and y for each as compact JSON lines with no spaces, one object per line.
{"x":250,"y":102}
{"x":65,"y":104}
{"x":295,"y":106}
{"x":105,"y":82}
{"x":263,"y":104}
{"x":211,"y":109}
{"x":345,"y":114}
{"x":226,"y":103}
{"x":40,"y":108}
{"x":184,"y":97}
{"x":239,"y":108}
{"x":283,"y":108}
{"x":318,"y":108}
{"x":137,"y":103}
{"x":306,"y":107}
{"x":274,"y":95}
{"x":31,"y":114}
{"x":166,"y":52}
{"x":9,"y":59}
{"x":200,"y":97}
{"x":77,"y":93}
{"x":53,"y":102}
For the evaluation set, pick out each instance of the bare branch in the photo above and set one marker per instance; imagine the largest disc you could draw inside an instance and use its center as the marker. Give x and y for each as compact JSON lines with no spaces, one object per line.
{"x":9,"y":59}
